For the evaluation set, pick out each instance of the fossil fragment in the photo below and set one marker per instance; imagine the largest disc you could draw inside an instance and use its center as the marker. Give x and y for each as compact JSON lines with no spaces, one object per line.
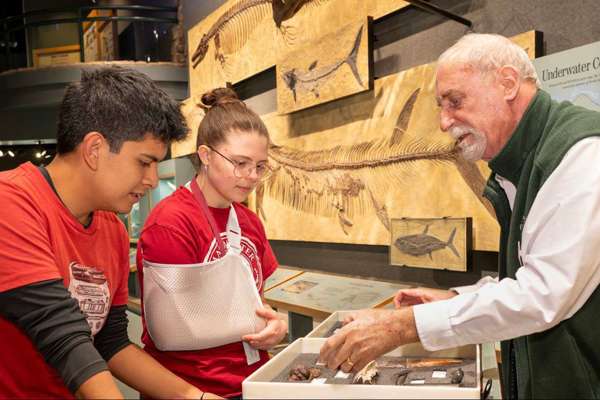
{"x":367,"y":375}
{"x":302,"y":373}
{"x":457,"y":376}
{"x":401,"y":376}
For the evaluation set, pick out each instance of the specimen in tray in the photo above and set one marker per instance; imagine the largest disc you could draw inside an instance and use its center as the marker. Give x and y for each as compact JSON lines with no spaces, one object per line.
{"x":385,"y":370}
{"x":367,"y":375}
{"x":302,"y":373}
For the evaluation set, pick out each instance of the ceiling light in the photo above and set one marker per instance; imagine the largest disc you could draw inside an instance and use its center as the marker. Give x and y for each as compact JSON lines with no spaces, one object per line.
{"x":10,"y":153}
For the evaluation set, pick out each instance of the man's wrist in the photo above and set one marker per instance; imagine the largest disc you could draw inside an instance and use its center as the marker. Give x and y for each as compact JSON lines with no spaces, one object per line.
{"x":406,"y":326}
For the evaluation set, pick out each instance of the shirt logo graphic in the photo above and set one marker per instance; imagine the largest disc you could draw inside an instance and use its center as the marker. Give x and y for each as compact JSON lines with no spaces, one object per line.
{"x":89,"y":287}
{"x":248,"y":252}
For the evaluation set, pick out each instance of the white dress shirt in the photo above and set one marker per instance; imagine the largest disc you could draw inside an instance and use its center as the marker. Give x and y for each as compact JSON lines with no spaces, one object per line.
{"x":560,"y":252}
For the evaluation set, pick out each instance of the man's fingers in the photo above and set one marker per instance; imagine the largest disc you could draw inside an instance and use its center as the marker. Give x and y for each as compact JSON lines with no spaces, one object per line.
{"x":329,"y":349}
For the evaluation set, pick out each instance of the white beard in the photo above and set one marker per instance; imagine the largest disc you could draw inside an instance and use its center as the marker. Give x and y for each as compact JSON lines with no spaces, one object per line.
{"x":472,"y":151}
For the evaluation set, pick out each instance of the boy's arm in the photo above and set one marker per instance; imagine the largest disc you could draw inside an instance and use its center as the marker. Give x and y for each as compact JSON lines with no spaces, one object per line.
{"x":139,"y":370}
{"x":51,"y":318}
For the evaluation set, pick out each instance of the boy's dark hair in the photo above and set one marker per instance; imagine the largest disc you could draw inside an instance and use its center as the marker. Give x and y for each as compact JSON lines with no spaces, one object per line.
{"x":120,"y":103}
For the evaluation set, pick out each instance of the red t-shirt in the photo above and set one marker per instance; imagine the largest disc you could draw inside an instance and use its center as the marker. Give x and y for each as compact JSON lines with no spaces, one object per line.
{"x":177,"y":232}
{"x":41,"y":240}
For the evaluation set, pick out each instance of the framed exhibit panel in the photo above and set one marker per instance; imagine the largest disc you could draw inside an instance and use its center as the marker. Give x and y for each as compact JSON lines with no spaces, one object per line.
{"x":437,"y":243}
{"x":53,"y":56}
{"x":408,"y":372}
{"x":318,"y":295}
{"x":108,"y":40}
{"x":91,"y":47}
{"x":332,"y":67}
{"x":99,"y":37}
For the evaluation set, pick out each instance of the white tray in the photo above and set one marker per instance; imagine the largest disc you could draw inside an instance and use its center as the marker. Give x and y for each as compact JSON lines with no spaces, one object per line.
{"x":259,"y":385}
{"x":324,"y":327}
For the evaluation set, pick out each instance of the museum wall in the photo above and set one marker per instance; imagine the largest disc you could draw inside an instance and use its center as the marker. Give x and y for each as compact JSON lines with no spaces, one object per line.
{"x":403,"y":40}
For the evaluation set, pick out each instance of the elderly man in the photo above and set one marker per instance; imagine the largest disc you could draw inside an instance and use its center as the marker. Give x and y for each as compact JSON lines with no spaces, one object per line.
{"x":545,"y":187}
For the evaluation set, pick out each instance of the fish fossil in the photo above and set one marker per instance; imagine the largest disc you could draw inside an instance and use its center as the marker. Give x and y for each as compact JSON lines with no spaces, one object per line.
{"x":311,"y":79}
{"x":422,"y":243}
{"x":234,"y":27}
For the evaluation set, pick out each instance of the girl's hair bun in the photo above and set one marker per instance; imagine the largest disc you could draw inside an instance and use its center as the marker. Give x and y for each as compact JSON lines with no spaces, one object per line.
{"x":217,"y":97}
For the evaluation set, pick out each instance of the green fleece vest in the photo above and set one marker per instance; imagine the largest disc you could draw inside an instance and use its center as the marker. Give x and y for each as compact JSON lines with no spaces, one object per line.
{"x":564,"y":361}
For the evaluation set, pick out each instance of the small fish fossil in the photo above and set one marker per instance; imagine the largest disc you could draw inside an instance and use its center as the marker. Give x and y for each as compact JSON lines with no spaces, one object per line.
{"x":367,"y":375}
{"x":311,"y":79}
{"x":422,"y":243}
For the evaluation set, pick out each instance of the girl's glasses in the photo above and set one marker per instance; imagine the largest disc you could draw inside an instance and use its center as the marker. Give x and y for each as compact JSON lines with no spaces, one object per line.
{"x":243,"y":169}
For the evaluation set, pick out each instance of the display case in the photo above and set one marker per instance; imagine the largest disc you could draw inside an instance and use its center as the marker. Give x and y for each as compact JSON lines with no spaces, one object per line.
{"x":166,"y":186}
{"x":270,"y":381}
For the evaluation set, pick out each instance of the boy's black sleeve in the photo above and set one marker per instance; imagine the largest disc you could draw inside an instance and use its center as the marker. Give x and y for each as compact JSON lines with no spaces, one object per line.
{"x":52,"y":319}
{"x":113,"y":336}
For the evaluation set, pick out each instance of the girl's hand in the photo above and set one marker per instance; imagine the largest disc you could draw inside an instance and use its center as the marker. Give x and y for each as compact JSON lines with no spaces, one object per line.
{"x":271,"y":335}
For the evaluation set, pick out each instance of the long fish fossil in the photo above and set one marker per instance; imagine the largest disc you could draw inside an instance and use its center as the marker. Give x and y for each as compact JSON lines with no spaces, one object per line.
{"x":234,"y":27}
{"x":341,"y":181}
{"x":311,"y":79}
{"x":422,"y":243}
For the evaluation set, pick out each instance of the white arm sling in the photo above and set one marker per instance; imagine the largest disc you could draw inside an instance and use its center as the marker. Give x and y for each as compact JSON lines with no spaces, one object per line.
{"x":205,"y":305}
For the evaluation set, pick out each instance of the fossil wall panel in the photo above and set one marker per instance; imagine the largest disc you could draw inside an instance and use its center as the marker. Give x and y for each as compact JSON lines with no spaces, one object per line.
{"x":332,"y":67}
{"x":441,"y":243}
{"x":342,"y":172}
{"x":245,"y":37}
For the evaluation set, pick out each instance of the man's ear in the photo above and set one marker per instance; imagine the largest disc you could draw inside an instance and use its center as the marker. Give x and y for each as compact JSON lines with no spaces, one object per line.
{"x":510,"y":79}
{"x":91,"y":147}
{"x":203,"y":152}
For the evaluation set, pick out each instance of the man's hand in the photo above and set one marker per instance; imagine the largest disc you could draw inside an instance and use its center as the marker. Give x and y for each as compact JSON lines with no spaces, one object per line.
{"x":271,"y":335}
{"x":411,"y":297}
{"x":368,"y":335}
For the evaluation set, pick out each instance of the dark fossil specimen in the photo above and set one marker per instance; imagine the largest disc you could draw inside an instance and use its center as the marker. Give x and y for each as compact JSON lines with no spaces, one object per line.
{"x":422,"y":243}
{"x":302,"y":373}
